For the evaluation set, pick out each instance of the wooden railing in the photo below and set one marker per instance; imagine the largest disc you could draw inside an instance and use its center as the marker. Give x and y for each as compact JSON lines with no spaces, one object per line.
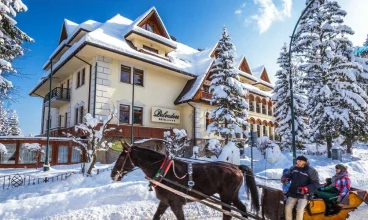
{"x":206,"y":95}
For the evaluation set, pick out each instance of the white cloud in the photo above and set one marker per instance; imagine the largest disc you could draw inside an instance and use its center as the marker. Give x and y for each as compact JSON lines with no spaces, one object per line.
{"x":238,"y":12}
{"x":269,"y":13}
{"x":243,"y":5}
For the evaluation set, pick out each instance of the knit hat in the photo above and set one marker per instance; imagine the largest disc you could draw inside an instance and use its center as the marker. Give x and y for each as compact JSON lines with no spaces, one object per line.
{"x":301,"y":157}
{"x":341,"y":167}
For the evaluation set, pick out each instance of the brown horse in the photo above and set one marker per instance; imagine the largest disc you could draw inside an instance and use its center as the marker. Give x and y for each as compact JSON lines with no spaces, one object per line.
{"x":210,"y":178}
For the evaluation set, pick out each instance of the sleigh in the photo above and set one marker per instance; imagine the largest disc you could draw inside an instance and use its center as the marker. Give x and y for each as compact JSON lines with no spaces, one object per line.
{"x":272,"y":201}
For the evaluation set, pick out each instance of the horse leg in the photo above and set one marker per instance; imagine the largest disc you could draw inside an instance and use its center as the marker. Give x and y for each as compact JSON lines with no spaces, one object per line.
{"x":160,"y":211}
{"x":226,"y":201}
{"x":238,"y":204}
{"x":177,"y":209}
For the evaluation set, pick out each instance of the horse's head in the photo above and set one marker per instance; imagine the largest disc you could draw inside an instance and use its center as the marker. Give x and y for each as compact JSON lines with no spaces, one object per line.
{"x":123,"y":164}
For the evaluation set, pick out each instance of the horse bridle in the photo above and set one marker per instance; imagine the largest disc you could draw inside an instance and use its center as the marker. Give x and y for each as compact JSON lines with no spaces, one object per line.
{"x":121,"y":172}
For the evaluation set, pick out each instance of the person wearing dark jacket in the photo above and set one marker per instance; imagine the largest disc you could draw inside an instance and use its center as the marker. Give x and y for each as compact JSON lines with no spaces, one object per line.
{"x":304,"y":181}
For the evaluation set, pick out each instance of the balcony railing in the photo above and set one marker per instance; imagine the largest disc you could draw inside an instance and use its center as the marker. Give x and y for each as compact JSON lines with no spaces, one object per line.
{"x":58,"y":93}
{"x":264,"y":111}
{"x":206,"y":95}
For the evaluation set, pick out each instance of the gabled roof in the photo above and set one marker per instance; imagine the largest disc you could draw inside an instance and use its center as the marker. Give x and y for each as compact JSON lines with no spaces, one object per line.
{"x":135,"y":28}
{"x":262,"y":76}
{"x":151,"y":12}
{"x":246,"y":72}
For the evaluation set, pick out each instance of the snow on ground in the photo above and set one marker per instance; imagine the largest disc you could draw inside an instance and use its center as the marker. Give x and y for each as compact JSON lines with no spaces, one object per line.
{"x":98,"y":197}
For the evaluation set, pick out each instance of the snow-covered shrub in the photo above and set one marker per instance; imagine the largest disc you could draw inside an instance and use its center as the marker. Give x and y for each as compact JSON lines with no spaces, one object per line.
{"x":176,"y":142}
{"x":214,"y":146}
{"x":3,"y":149}
{"x":273,"y":153}
{"x":230,"y":153}
{"x":262,"y":144}
{"x":95,"y":129}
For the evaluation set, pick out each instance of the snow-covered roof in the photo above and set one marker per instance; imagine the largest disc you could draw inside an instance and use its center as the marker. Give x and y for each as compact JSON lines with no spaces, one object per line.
{"x":69,"y":26}
{"x":258,"y":71}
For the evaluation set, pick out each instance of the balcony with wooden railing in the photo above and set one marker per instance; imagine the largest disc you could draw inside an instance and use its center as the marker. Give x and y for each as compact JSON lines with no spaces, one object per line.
{"x":59,"y":97}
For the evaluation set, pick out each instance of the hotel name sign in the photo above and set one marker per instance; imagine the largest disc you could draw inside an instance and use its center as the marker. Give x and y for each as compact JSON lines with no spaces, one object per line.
{"x":164,"y":115}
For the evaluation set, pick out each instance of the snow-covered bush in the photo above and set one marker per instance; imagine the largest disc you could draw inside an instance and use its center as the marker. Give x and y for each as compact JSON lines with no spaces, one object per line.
{"x":214,"y":146}
{"x":262,"y":144}
{"x":176,"y":142}
{"x":230,"y":153}
{"x":95,"y":129}
{"x":273,"y":153}
{"x":3,"y":149}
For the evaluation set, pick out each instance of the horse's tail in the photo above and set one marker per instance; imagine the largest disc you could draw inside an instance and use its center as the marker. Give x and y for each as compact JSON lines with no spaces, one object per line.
{"x":251,"y":185}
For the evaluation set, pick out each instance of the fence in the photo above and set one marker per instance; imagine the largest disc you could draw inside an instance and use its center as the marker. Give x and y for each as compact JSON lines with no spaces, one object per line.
{"x":17,"y":180}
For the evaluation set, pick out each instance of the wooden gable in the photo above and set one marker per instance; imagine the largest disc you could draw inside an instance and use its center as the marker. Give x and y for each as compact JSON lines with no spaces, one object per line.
{"x":264,"y":76}
{"x":214,"y":51}
{"x":244,"y":66}
{"x":153,"y":20}
{"x":63,"y":34}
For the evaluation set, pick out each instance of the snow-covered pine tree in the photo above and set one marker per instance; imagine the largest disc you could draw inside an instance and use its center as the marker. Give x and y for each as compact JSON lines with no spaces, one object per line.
{"x":3,"y":120}
{"x":228,"y":94}
{"x":336,"y":103}
{"x":13,"y":125}
{"x":11,"y":39}
{"x":282,"y":100}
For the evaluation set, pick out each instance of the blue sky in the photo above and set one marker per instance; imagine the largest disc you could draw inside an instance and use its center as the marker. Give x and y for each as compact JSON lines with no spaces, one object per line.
{"x":258,"y":28}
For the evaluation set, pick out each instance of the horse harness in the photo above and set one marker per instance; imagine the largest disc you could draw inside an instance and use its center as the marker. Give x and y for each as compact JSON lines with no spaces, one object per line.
{"x":164,"y":168}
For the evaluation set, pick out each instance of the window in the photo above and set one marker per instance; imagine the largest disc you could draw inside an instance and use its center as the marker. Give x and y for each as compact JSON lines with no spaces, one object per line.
{"x":81,"y":77}
{"x":206,"y":88}
{"x":76,"y":154}
{"x":207,"y":119}
{"x":76,"y":116}
{"x":59,"y":125}
{"x":125,"y":74}
{"x":43,"y":157}
{"x":251,"y":106}
{"x":26,"y":156}
{"x":9,"y":157}
{"x":63,"y":154}
{"x":124,"y":114}
{"x":149,"y":27}
{"x":81,"y":109}
{"x":66,"y":119}
{"x":138,"y":77}
{"x":78,"y":79}
{"x":153,"y":50}
{"x":138,"y":112}
{"x":67,"y":84}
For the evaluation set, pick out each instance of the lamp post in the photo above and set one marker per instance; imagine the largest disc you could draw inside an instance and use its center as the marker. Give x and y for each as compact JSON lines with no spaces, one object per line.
{"x":132,"y":125}
{"x":46,"y":165}
{"x":291,"y":85}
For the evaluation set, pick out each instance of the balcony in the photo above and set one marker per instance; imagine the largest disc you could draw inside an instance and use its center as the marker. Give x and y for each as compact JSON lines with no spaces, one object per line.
{"x":59,"y":97}
{"x":206,"y":96}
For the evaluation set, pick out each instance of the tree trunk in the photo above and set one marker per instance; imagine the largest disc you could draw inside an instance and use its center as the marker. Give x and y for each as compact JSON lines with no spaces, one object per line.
{"x":349,"y":144}
{"x":329,"y":146}
{"x":92,"y":164}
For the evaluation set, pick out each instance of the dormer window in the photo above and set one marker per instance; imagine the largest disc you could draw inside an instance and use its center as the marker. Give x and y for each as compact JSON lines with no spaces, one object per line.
{"x":150,"y":49}
{"x":149,"y":27}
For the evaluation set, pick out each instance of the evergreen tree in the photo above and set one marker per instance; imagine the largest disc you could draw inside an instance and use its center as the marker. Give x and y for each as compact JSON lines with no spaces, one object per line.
{"x":282,"y":104}
{"x":3,"y":121}
{"x":336,"y":103}
{"x":11,"y":38}
{"x":13,"y":125}
{"x":228,"y":93}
